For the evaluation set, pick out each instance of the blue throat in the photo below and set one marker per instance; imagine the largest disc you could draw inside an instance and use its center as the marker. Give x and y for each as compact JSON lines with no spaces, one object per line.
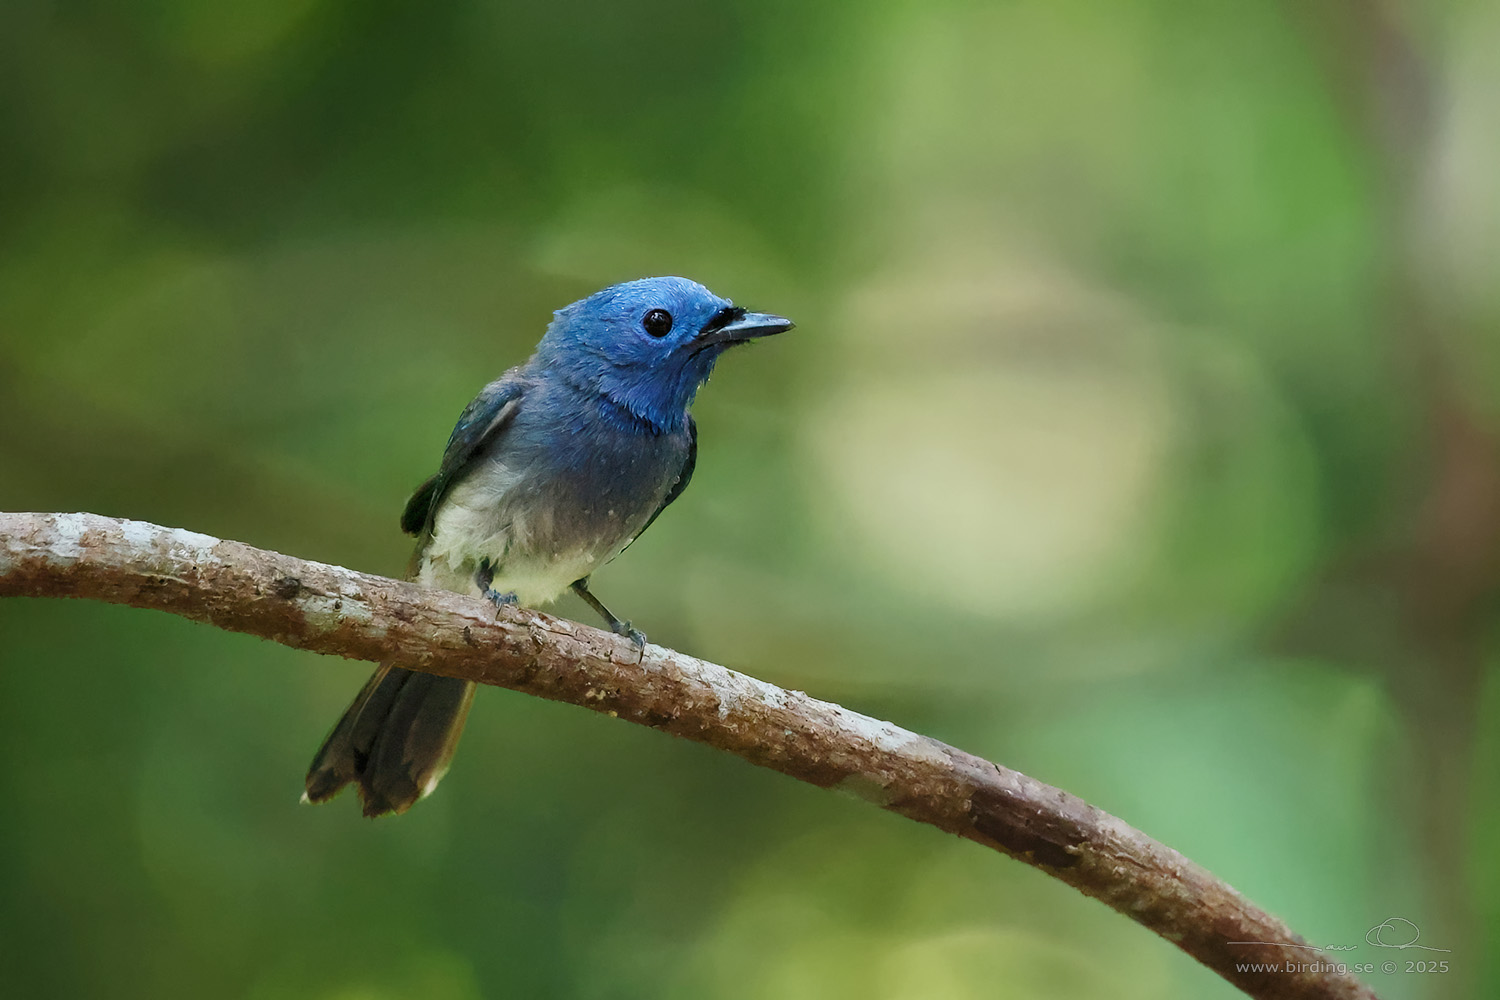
{"x":651,"y":402}
{"x":622,"y":417}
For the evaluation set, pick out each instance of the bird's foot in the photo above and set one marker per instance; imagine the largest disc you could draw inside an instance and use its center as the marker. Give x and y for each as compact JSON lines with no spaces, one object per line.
{"x":485,"y":576}
{"x":616,"y":625}
{"x":630,"y":632}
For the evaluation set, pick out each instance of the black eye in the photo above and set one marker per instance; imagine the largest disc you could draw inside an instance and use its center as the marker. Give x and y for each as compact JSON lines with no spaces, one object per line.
{"x":658,"y":322}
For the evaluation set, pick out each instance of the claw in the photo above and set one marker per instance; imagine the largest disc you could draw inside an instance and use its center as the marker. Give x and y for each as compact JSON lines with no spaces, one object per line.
{"x":630,"y":632}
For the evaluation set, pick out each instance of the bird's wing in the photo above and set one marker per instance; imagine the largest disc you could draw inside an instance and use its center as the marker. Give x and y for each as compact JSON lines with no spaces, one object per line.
{"x":481,"y":423}
{"x":683,"y":478}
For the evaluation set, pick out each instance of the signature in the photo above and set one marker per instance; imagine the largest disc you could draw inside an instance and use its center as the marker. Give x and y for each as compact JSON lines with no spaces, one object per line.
{"x":1392,"y":932}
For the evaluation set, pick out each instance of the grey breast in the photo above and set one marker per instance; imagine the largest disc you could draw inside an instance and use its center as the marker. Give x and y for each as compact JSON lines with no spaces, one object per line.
{"x":552,"y":488}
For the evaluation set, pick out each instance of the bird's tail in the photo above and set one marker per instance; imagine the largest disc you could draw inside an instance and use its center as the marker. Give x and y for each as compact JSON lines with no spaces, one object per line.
{"x":395,"y":741}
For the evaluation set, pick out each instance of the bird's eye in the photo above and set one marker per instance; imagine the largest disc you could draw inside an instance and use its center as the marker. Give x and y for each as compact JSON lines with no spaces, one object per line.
{"x":658,"y":322}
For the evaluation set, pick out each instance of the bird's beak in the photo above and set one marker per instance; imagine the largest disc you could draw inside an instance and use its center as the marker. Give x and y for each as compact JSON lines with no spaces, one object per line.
{"x":733,"y":326}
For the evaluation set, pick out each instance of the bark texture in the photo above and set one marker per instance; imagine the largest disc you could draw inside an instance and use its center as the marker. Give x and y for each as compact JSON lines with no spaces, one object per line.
{"x":328,"y":609}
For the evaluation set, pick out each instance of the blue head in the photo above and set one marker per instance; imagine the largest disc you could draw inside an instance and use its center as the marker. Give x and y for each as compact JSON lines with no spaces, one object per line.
{"x":647,"y":345}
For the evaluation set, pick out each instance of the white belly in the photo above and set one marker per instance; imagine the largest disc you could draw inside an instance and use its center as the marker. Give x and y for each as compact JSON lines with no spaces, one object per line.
{"x":474,"y":523}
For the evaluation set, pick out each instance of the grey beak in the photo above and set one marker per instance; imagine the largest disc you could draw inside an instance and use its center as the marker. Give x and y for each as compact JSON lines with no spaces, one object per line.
{"x":752,"y":325}
{"x":734,"y":326}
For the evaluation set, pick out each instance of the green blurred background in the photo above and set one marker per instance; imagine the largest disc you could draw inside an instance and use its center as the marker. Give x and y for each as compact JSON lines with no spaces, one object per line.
{"x":1139,"y":432}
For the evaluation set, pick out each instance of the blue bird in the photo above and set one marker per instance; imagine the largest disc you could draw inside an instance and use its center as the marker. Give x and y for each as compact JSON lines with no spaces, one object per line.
{"x":551,"y":471}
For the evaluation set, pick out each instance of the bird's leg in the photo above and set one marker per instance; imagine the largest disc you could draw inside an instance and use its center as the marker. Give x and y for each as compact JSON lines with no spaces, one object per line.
{"x":484,"y":577}
{"x":618,"y":627}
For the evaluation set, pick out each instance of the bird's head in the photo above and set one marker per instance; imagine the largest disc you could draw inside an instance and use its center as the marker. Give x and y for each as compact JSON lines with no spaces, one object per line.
{"x":648,"y":345}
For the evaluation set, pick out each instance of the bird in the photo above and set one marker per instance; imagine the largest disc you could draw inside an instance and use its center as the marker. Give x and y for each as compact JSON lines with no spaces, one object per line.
{"x":552,"y":470}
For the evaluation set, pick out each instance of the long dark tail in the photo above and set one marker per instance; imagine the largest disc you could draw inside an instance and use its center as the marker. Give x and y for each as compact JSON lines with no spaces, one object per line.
{"x":396,"y":740}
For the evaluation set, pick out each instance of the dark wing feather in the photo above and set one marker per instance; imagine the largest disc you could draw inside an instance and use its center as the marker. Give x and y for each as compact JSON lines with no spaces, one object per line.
{"x":414,"y":517}
{"x":683,"y":478}
{"x":481,"y":423}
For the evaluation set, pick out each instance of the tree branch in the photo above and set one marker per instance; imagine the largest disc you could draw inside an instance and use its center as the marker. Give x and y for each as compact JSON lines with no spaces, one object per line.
{"x":328,"y":609}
